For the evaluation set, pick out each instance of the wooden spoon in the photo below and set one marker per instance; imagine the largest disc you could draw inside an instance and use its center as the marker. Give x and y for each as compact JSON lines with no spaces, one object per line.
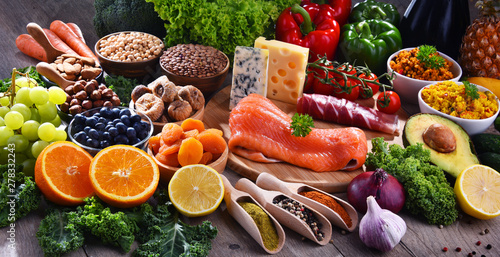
{"x":39,"y":35}
{"x":232,"y":197}
{"x":50,"y":73}
{"x":265,"y":198}
{"x":270,"y":182}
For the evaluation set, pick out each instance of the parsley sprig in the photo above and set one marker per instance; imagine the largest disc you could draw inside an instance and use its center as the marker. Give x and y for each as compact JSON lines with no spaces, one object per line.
{"x":471,"y":90}
{"x":428,"y":56}
{"x":301,"y":124}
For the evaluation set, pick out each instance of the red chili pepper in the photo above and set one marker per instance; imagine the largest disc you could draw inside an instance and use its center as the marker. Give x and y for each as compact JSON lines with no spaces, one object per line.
{"x":312,"y":26}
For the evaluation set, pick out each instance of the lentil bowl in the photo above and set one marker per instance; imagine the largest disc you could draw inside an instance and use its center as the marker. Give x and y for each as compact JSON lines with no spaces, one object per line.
{"x":408,"y":88}
{"x":474,"y":118}
{"x":129,"y":53}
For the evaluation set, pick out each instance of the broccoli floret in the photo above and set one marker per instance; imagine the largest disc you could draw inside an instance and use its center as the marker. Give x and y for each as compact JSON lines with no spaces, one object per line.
{"x":113,"y":228}
{"x":429,"y":194}
{"x":58,"y":234}
{"x":127,"y":15}
{"x":17,"y":192}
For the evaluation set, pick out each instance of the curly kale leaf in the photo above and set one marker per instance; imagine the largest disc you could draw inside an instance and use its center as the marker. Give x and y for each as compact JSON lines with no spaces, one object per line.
{"x":200,"y":237}
{"x":58,"y":234}
{"x":17,"y":192}
{"x":429,"y":194}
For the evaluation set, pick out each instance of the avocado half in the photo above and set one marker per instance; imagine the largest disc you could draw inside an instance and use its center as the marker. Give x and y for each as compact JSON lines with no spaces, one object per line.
{"x":453,"y":162}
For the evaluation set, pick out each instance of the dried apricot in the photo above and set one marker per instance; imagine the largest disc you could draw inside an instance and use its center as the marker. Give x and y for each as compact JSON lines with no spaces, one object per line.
{"x":190,"y":152}
{"x":212,"y":142}
{"x":154,"y":143}
{"x":170,"y":149}
{"x":206,"y":158}
{"x":190,"y":133}
{"x":190,"y":123}
{"x":171,"y":132}
{"x":216,"y":131}
{"x":169,"y":160}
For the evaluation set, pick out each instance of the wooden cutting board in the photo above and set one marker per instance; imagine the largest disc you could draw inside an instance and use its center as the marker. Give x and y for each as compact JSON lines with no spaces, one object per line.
{"x":217,"y":116}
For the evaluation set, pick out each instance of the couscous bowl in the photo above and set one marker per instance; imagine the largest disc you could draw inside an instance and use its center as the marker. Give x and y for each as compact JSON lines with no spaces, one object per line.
{"x":450,"y":100}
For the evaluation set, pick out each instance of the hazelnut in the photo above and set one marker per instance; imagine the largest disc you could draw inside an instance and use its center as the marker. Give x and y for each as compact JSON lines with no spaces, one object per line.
{"x":68,"y":98}
{"x":78,"y":87}
{"x":82,"y":95}
{"x":75,"y":109}
{"x":89,"y":88}
{"x":107,"y":93}
{"x":108,"y":104}
{"x":75,"y":102}
{"x":96,"y":95}
{"x":102,"y":87}
{"x":69,"y":90}
{"x":87,"y":104}
{"x":98,"y":103}
{"x":64,"y":107}
{"x":115,"y":101}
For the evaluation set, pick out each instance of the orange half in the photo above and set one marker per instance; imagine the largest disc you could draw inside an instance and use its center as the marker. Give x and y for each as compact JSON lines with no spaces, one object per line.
{"x":124,"y":176}
{"x":62,"y":173}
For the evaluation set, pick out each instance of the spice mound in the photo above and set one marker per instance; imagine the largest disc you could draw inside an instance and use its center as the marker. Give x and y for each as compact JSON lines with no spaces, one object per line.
{"x":264,"y":223}
{"x":450,"y":98}
{"x":196,"y":61}
{"x":406,"y":63}
{"x":303,"y":213}
{"x":330,"y":202}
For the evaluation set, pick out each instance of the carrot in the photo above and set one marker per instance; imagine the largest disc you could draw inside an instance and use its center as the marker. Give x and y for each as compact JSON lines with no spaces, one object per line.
{"x":58,"y":43}
{"x":69,"y":37}
{"x":28,"y":45}
{"x":77,"y":30}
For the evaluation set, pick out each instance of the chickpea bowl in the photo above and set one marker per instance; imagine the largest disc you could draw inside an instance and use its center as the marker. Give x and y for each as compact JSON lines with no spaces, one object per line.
{"x":201,"y":66}
{"x":408,"y":87}
{"x":129,"y":53}
{"x":474,"y":117}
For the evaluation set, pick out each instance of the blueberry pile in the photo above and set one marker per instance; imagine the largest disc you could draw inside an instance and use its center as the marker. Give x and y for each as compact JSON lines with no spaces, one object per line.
{"x":110,"y":126}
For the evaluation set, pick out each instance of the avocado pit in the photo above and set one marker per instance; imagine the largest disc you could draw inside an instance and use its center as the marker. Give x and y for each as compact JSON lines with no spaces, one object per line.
{"x":440,"y":138}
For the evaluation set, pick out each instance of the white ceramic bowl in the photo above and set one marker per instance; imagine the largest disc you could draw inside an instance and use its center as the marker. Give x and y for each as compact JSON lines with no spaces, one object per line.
{"x":472,"y":127}
{"x":408,"y":88}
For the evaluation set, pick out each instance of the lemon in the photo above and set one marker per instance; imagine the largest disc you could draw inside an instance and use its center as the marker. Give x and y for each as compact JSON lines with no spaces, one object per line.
{"x":478,"y":191}
{"x":196,"y":190}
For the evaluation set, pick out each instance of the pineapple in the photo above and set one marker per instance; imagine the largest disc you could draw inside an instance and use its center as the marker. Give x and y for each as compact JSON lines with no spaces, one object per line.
{"x":480,"y":49}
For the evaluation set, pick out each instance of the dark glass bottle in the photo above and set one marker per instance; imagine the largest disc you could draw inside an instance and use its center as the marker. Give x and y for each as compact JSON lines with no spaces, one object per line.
{"x":441,"y":23}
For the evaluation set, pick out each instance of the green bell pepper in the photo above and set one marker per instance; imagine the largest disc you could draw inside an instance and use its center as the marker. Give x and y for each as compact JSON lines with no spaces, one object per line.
{"x":369,"y":43}
{"x":371,"y":9}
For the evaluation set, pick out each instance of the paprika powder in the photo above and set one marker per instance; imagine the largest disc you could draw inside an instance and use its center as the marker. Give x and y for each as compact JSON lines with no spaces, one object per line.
{"x":330,"y":202}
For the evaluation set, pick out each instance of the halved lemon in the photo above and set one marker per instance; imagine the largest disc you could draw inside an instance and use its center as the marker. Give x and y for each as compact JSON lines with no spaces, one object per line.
{"x":124,"y":176}
{"x":478,"y":191}
{"x":196,"y":190}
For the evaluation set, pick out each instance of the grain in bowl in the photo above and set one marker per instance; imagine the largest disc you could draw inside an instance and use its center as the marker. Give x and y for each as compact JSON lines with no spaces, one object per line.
{"x":407,"y":63}
{"x":130,"y":46}
{"x":451,"y":98}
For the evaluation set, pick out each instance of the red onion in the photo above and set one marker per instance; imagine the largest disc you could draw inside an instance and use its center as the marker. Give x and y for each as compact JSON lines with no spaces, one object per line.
{"x":386,"y":189}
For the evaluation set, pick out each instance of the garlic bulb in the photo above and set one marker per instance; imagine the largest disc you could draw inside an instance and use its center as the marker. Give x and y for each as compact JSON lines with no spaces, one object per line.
{"x":379,"y":228}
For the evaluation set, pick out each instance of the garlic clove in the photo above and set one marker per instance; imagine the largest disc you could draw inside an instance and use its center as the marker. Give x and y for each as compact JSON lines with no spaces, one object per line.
{"x":379,"y":228}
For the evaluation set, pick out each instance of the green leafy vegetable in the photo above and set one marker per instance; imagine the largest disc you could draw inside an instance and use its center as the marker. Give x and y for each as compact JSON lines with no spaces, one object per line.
{"x":18,"y":191}
{"x":222,"y":24}
{"x":428,"y":56}
{"x":301,"y":124}
{"x":122,"y":86}
{"x":471,"y":90}
{"x":429,"y":195}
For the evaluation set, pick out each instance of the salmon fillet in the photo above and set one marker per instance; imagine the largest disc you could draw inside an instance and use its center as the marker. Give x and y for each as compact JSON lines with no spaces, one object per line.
{"x":261,"y":132}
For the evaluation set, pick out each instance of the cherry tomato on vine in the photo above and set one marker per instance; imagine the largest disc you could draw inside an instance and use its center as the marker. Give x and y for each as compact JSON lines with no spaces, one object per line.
{"x":309,"y":82}
{"x":374,"y":87}
{"x":321,"y":88}
{"x":347,"y":70}
{"x":388,"y":102}
{"x":351,"y":86}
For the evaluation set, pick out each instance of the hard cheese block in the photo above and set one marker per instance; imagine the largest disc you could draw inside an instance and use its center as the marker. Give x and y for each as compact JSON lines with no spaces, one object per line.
{"x":287,"y":69}
{"x":249,"y":73}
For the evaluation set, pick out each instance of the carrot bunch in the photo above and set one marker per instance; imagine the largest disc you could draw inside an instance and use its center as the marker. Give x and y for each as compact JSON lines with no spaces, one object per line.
{"x":66,"y":37}
{"x":188,"y":143}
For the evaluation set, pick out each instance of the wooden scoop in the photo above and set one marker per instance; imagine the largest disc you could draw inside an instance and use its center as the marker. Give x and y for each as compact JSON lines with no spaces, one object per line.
{"x":232,"y":197}
{"x":270,"y":182}
{"x":50,"y":73}
{"x":39,"y":35}
{"x":265,"y":198}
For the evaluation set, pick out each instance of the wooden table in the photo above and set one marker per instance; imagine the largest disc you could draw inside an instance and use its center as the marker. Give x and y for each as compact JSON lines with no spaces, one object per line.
{"x":421,"y":239}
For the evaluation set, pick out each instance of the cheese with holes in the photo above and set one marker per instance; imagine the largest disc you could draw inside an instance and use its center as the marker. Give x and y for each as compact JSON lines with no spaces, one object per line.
{"x":249,"y":73}
{"x":287,"y":69}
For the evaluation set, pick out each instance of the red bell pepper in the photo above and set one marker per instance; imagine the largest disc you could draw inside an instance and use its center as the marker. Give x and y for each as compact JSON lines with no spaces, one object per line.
{"x":341,"y":8}
{"x":295,"y":25}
